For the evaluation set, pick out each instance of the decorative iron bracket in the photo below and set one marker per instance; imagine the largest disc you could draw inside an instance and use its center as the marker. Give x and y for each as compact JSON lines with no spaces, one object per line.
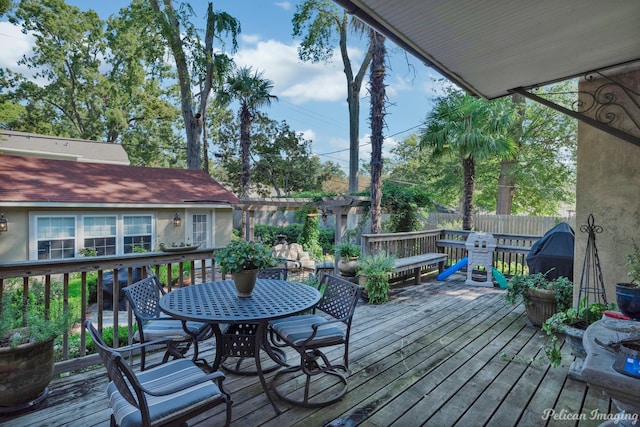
{"x":604,"y":107}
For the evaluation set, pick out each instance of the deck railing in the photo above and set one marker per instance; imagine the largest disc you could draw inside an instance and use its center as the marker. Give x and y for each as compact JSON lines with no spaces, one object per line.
{"x":25,"y":274}
{"x":509,"y":256}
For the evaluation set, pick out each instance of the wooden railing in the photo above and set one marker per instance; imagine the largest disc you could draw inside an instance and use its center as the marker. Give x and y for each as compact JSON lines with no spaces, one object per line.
{"x":402,"y":245}
{"x":23,"y":274}
{"x":510,"y":253}
{"x":509,"y":256}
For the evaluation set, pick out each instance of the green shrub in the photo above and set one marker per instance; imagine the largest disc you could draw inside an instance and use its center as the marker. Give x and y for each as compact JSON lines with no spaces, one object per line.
{"x":517,"y":289}
{"x":376,"y":268}
{"x":107,"y":335}
{"x":347,"y":250}
{"x":268,"y":234}
{"x":310,"y":236}
{"x":175,"y":273}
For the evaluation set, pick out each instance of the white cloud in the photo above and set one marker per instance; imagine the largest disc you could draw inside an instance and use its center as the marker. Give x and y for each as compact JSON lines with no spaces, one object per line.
{"x":249,"y":38}
{"x":284,"y":5}
{"x":308,"y":134}
{"x":299,"y":82}
{"x":16,"y":45}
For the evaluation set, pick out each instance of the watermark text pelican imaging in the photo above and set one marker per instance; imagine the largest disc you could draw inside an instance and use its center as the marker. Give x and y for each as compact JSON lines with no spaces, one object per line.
{"x":564,"y":415}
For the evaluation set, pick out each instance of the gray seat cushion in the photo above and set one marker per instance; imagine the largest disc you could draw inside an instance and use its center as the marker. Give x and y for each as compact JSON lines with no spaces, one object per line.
{"x":170,"y":374}
{"x":297,"y":329}
{"x":168,"y":328}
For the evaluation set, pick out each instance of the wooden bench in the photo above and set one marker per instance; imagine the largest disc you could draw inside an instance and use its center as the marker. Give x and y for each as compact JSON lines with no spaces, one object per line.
{"x":416,"y":263}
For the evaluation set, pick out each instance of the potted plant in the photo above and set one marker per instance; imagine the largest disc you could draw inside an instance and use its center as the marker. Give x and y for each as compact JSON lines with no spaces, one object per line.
{"x":243,"y":259}
{"x":628,"y":294}
{"x":347,"y":254}
{"x":541,"y":297}
{"x":27,"y":352}
{"x":571,"y":322}
{"x":373,"y":271}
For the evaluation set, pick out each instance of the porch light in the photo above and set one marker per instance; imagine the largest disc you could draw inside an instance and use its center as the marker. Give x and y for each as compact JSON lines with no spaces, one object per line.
{"x":4,"y":224}
{"x":177,"y":221}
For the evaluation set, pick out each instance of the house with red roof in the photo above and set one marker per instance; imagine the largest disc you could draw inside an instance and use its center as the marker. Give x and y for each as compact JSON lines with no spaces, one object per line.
{"x":55,"y":208}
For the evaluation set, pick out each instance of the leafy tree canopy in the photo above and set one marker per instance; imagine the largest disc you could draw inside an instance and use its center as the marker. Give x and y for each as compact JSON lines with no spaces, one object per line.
{"x":543,"y":167}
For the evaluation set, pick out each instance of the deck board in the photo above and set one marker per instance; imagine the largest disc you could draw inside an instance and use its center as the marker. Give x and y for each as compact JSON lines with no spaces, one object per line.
{"x":438,"y":353}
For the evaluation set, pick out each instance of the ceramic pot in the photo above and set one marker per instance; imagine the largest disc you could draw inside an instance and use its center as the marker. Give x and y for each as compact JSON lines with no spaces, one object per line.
{"x":573,"y":336}
{"x":245,"y":281}
{"x":628,"y":300}
{"x":542,"y":305}
{"x":348,"y":267}
{"x":25,"y":372}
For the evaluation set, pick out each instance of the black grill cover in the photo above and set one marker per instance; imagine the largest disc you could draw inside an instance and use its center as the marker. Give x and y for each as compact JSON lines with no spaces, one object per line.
{"x":553,"y":253}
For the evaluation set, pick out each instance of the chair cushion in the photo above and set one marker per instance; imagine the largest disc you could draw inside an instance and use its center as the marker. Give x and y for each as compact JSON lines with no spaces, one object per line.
{"x":172,"y":373}
{"x":296,"y":329}
{"x":169,"y":328}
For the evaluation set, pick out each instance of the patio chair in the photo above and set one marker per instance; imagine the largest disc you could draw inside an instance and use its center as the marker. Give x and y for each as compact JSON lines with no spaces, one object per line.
{"x":169,"y":394}
{"x":276,"y":273}
{"x":308,"y":334}
{"x":144,"y":298}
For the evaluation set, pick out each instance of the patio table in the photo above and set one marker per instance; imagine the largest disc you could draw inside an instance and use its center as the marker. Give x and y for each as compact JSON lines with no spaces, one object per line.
{"x":218,"y":303}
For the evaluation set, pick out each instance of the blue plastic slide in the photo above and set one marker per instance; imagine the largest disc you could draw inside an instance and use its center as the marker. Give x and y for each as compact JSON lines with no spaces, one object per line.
{"x":455,"y":267}
{"x":502,"y":281}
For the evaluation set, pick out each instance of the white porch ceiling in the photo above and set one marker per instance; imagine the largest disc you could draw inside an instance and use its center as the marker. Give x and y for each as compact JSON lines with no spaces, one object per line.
{"x":490,"y":47}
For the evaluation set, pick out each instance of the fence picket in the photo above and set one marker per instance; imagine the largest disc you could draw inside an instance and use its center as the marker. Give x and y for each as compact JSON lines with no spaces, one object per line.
{"x":505,"y":224}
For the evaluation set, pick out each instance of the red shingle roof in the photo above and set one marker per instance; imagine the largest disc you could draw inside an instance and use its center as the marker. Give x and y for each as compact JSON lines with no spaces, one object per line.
{"x":27,"y":179}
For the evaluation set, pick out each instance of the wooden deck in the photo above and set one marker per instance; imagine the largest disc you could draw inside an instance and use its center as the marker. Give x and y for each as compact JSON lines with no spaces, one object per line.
{"x":437,"y":354}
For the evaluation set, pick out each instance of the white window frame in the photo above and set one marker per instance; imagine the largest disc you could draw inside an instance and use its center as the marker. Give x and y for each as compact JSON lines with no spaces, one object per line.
{"x":79,"y":229}
{"x":152,"y":231}
{"x":209,"y":224}
{"x":33,"y":243}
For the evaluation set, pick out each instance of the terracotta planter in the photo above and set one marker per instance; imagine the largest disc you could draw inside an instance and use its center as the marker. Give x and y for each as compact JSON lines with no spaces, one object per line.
{"x":628,"y":300}
{"x":542,"y":305}
{"x":25,"y":372}
{"x":348,"y":267}
{"x":245,"y":281}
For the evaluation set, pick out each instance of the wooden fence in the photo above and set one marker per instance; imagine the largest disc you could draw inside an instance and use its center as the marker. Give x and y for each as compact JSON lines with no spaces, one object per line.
{"x":506,"y":224}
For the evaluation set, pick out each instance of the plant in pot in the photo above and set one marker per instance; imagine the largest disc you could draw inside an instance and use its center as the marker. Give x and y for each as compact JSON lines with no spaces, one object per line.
{"x":347,"y":254}
{"x":572,"y":322}
{"x":243,"y":258}
{"x":373,"y":271}
{"x":628,"y":294}
{"x":542,"y":297}
{"x":27,"y":351}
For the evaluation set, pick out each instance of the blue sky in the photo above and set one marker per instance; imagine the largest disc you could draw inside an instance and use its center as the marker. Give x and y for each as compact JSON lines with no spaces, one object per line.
{"x":312,"y":97}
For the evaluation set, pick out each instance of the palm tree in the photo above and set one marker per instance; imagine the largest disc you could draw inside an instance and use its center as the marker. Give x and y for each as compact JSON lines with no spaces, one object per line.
{"x":470,"y":129}
{"x":252,"y":91}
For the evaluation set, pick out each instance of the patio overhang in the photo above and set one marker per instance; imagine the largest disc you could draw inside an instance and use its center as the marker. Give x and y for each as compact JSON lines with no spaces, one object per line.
{"x":493,"y":48}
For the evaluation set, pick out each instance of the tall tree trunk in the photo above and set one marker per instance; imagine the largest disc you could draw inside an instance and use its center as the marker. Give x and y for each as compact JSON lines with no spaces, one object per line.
{"x":353,"y":102}
{"x":506,"y":180}
{"x":469,"y":178}
{"x":245,"y":146}
{"x":506,"y":188}
{"x":377,"y":123}
{"x":354,"y":84}
{"x":192,"y":117}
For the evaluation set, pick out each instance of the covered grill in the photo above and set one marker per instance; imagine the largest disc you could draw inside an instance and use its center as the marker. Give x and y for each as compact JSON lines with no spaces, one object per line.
{"x":553,"y":253}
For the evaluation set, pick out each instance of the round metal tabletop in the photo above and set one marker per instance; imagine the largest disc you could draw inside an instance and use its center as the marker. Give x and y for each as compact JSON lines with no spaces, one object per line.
{"x":219,"y":301}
